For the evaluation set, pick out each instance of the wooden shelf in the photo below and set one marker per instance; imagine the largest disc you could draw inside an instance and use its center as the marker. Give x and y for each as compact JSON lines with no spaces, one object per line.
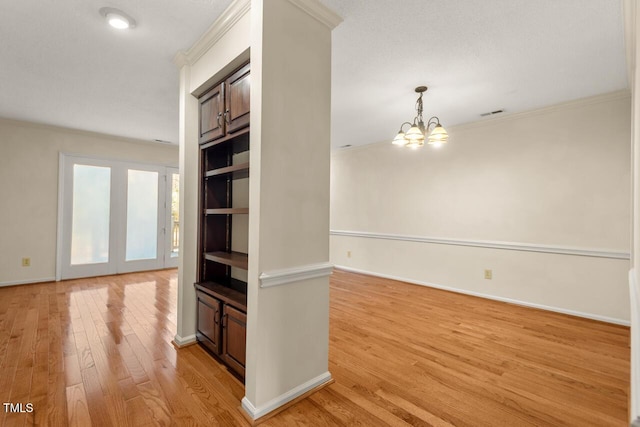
{"x":234,"y":259}
{"x":224,"y":292}
{"x":234,"y":172}
{"x":241,"y":137}
{"x":226,"y":211}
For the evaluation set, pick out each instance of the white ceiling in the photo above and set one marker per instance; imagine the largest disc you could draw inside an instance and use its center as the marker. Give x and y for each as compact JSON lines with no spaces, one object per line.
{"x":62,"y":65}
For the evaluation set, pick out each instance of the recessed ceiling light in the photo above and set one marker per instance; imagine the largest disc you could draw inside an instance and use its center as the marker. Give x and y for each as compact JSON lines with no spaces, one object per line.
{"x":117,"y":18}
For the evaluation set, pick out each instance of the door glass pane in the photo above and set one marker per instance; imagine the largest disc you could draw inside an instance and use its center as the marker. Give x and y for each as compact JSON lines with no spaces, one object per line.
{"x":175,"y":217}
{"x":142,"y":215}
{"x":90,"y":214}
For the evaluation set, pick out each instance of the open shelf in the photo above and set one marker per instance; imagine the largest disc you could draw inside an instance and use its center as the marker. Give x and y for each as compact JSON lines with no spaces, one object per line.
{"x":226,"y":292}
{"x":234,"y":172}
{"x":233,"y":259}
{"x":226,"y":211}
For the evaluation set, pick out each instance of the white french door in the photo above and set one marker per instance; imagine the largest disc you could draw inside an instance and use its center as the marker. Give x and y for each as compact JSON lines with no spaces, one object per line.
{"x":114,"y":217}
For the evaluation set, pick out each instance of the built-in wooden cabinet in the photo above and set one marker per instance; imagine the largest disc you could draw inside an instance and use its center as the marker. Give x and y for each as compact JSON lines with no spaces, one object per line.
{"x":237,"y":99}
{"x":234,"y":346}
{"x":212,"y":114}
{"x":225,"y":108}
{"x":208,"y":329}
{"x":223,"y":225}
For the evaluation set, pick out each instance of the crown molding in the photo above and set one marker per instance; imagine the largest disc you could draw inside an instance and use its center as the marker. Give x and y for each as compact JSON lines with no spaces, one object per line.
{"x":62,"y":129}
{"x":180,"y":59}
{"x":319,"y":11}
{"x":218,"y":29}
{"x":567,"y":105}
{"x":630,"y":30}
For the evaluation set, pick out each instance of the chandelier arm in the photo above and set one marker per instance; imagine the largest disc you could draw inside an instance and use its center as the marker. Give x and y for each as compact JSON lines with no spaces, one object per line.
{"x":402,"y":125}
{"x":432,"y":122}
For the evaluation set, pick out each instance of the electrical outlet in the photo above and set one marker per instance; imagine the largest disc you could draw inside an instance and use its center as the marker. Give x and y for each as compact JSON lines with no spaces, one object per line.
{"x":348,"y":254}
{"x":26,"y":262}
{"x":488,"y":274}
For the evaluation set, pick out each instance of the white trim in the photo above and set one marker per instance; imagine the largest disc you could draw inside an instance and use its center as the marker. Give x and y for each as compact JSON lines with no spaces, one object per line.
{"x":629,"y":16}
{"x":514,"y":246}
{"x":577,"y":103}
{"x":54,"y":128}
{"x":27,"y":282}
{"x":116,"y":159}
{"x":295,"y":274}
{"x":182,"y":341}
{"x":491,"y":297}
{"x":218,"y":29}
{"x":319,"y":11}
{"x":260,"y":411}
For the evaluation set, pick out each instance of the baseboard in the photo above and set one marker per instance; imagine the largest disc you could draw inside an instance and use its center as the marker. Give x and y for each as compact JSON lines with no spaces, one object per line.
{"x":181,"y":342}
{"x":256,"y":413}
{"x":28,"y":282}
{"x":491,"y":297}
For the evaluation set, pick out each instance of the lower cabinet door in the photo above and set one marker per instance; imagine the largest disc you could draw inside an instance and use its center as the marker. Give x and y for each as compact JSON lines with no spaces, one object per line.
{"x":235,"y":338}
{"x":209,"y":327}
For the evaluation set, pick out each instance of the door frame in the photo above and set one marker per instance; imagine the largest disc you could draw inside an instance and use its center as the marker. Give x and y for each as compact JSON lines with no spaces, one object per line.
{"x":169,"y":261}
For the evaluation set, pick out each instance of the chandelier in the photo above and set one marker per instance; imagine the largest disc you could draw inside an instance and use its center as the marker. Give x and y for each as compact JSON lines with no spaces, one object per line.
{"x":415,"y":136}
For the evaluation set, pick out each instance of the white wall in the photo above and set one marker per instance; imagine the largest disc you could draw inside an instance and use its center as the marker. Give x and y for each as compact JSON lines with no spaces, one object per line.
{"x":29,"y":156}
{"x":557,"y":178}
{"x":632,"y":17}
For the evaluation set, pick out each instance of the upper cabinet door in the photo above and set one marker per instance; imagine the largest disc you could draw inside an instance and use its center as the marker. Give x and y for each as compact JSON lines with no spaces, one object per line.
{"x":212,"y":114}
{"x":237,"y":99}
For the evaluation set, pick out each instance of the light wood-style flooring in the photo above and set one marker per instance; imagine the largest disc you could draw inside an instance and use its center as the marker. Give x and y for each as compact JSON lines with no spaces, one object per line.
{"x":98,"y":352}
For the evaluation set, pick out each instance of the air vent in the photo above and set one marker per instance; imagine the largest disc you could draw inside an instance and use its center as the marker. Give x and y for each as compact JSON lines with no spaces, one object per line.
{"x":491,"y":113}
{"x":162,"y":141}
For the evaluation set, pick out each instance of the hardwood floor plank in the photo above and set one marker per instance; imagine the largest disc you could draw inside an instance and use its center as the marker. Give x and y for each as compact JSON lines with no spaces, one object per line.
{"x":72,"y":373}
{"x":98,"y":352}
{"x":77,"y":412}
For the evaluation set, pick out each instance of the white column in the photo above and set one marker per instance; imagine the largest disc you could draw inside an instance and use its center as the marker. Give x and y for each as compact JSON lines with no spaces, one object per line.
{"x":288,"y":323}
{"x":189,"y":161}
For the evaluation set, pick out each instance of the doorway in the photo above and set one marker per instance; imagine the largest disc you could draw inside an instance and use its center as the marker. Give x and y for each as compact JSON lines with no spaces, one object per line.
{"x":116,"y":217}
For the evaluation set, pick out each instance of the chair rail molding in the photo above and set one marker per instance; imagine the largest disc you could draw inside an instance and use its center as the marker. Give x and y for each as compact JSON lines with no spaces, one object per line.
{"x":514,"y":246}
{"x":294,"y":274}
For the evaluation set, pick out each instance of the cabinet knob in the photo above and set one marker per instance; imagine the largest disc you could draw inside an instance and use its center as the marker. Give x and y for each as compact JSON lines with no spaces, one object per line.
{"x":226,"y":117}
{"x":218,"y":119}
